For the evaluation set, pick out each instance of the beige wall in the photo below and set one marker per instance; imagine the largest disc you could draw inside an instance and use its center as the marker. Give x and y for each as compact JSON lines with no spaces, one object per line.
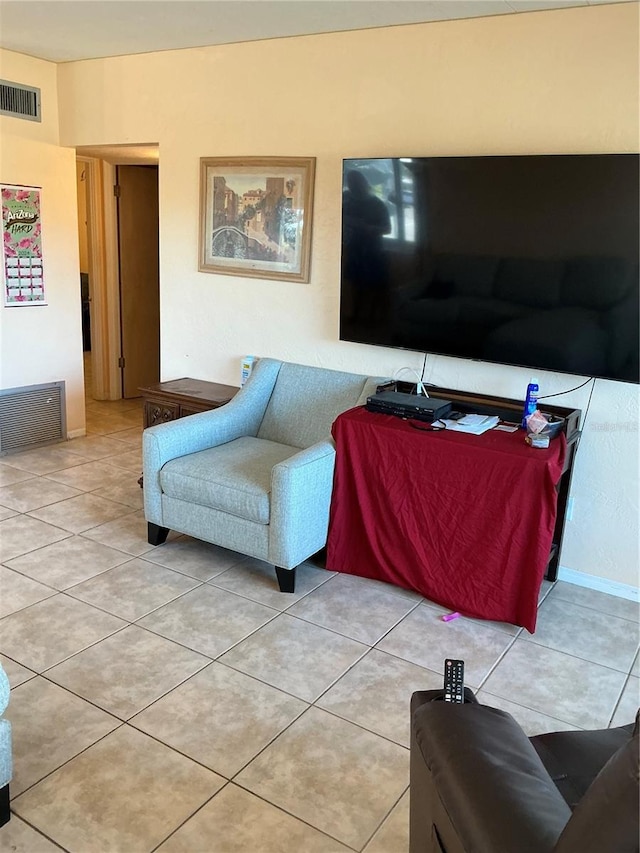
{"x":550,"y":82}
{"x":43,"y":343}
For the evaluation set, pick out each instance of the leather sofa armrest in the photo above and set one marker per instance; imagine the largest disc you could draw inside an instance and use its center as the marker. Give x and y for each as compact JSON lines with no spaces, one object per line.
{"x":486,"y":788}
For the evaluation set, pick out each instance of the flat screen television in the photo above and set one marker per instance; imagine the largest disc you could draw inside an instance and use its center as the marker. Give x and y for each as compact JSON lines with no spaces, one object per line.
{"x":523,"y":260}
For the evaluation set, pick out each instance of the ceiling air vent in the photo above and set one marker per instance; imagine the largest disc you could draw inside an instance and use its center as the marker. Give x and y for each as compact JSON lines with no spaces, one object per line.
{"x":19,"y":101}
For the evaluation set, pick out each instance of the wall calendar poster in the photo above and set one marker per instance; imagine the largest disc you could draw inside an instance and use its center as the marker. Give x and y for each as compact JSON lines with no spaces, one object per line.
{"x":22,"y":246}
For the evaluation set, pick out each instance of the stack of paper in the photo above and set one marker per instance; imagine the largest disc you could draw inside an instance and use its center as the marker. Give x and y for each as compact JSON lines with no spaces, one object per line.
{"x":475,"y":424}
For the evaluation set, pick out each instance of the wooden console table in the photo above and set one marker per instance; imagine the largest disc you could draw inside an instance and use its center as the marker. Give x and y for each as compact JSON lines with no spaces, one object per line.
{"x":508,"y":409}
{"x":178,"y":398}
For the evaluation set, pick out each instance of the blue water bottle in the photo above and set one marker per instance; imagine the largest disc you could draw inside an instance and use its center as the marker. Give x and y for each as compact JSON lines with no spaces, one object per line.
{"x":531,"y":400}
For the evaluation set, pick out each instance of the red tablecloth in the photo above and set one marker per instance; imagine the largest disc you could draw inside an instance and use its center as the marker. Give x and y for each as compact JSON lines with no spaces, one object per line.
{"x":465,"y":520}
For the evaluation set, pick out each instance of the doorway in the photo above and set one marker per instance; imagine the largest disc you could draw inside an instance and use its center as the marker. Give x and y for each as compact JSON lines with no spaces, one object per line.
{"x":83,"y":243}
{"x":137,"y":206}
{"x":122,"y":325}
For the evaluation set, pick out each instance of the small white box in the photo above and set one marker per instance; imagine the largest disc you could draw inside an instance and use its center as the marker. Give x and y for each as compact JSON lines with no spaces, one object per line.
{"x":246,"y":368}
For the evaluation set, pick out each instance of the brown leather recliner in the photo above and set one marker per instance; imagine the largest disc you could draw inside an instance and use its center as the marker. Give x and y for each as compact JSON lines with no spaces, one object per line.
{"x":480,"y":785}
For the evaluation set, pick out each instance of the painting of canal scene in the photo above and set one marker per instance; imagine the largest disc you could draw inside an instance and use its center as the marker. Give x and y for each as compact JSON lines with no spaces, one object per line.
{"x":255,"y":216}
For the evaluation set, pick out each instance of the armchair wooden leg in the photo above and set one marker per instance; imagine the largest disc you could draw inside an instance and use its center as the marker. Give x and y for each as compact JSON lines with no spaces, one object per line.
{"x":5,"y":810}
{"x":156,"y":535}
{"x":286,"y":579}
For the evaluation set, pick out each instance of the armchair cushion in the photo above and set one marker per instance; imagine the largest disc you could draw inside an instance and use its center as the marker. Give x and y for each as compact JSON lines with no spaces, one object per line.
{"x":606,"y":818}
{"x":234,"y":478}
{"x":575,"y":759}
{"x":306,"y":401}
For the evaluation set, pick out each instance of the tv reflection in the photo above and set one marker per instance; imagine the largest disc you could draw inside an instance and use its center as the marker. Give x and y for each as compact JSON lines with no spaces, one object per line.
{"x":365,"y":264}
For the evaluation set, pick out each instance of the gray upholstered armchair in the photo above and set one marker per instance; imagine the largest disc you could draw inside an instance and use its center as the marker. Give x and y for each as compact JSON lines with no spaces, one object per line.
{"x":6,"y":762}
{"x":255,"y":475}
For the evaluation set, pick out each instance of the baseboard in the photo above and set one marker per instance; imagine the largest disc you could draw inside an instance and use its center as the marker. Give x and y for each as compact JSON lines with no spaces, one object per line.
{"x":76,"y":433}
{"x":622,"y":590}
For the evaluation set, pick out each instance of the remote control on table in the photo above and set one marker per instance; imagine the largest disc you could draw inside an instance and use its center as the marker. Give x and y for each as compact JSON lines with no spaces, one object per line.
{"x":453,"y":680}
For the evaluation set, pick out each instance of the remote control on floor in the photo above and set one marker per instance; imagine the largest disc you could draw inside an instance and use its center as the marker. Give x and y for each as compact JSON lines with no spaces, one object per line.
{"x":453,"y":680}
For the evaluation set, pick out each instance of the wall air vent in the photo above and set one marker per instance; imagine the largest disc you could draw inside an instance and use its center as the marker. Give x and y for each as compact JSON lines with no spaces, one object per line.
{"x":19,"y":101}
{"x":32,"y":416}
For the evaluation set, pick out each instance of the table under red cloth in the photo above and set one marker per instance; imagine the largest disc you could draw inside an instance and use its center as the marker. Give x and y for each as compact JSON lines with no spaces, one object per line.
{"x":466,"y":520}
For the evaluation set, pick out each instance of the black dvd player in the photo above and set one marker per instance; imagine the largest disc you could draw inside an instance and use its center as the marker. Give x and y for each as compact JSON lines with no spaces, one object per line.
{"x":408,"y":406}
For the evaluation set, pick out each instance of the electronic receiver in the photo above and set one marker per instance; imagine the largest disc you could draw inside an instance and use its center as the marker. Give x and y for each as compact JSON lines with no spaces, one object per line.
{"x":408,"y":406}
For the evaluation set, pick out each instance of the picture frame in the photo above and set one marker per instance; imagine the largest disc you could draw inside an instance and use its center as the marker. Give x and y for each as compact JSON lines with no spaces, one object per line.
{"x":256,"y":216}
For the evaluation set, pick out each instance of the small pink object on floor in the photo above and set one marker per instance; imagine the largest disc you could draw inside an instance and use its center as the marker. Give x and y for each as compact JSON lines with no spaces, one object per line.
{"x":449,"y":616}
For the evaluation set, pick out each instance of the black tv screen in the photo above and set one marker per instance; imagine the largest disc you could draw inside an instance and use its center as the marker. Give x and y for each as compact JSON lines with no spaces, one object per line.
{"x":524,"y":260}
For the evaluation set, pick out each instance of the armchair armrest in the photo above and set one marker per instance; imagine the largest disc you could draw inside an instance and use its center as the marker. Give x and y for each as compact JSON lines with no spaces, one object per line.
{"x":240,"y":416}
{"x":300,"y":498}
{"x":197,"y":432}
{"x":6,"y":761}
{"x":485,"y":785}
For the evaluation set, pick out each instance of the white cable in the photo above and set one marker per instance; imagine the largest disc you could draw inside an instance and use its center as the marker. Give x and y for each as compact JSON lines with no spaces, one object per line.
{"x":420,"y":389}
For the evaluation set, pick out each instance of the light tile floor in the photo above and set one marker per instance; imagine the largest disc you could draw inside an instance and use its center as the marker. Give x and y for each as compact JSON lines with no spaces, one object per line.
{"x":172,"y":699}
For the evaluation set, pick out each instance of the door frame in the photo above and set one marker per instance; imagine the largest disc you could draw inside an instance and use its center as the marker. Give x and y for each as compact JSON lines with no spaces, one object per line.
{"x":104,"y":291}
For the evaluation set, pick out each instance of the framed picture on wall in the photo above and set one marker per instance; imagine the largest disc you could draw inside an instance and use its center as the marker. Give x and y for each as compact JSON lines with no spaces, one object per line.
{"x":256,"y":216}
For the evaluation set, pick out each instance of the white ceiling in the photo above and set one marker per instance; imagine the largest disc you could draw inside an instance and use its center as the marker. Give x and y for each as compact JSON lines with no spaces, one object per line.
{"x":67,"y":30}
